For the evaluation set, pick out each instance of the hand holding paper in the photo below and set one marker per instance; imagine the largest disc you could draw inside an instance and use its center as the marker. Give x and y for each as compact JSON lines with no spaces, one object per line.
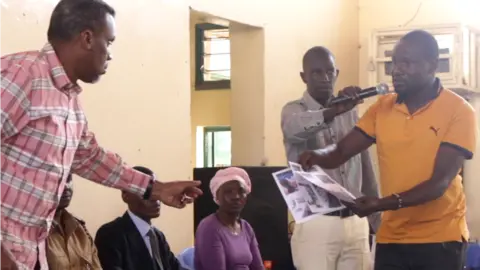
{"x":363,"y":206}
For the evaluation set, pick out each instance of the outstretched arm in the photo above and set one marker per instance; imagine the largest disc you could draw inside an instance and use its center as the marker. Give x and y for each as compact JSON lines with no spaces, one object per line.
{"x":369,"y":182}
{"x":358,"y":140}
{"x":95,"y":163}
{"x":335,"y":155}
{"x":107,"y":168}
{"x":298,"y":125}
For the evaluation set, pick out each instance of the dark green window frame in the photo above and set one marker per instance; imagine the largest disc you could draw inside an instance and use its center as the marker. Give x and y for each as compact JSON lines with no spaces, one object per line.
{"x":207,"y":130}
{"x":200,"y":83}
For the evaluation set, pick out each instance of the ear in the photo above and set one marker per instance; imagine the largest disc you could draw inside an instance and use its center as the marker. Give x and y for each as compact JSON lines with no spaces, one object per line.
{"x":302,"y":75}
{"x":337,"y":72}
{"x":87,"y":39}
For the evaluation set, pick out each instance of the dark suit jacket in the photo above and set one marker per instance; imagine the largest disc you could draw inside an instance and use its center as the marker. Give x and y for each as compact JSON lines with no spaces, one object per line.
{"x":121,"y":247}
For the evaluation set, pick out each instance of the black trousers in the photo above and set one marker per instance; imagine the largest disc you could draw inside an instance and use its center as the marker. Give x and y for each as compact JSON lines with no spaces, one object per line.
{"x":434,"y":256}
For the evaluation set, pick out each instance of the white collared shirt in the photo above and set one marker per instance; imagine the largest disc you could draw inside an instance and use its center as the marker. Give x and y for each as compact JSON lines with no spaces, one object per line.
{"x":143,"y":228}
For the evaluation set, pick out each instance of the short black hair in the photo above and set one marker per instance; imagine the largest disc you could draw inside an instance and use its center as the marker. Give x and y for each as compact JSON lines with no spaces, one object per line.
{"x":316,"y":51}
{"x":144,"y":170}
{"x":70,"y":17}
{"x":425,"y":41}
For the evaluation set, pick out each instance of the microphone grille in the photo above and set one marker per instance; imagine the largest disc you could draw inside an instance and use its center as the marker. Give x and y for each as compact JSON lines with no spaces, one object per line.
{"x":383,"y":89}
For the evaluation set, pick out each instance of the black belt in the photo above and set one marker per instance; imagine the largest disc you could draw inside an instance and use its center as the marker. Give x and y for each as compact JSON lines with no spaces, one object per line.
{"x":344,"y":213}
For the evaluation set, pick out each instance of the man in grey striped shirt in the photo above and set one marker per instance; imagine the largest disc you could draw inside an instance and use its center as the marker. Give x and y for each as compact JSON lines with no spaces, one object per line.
{"x":339,"y":240}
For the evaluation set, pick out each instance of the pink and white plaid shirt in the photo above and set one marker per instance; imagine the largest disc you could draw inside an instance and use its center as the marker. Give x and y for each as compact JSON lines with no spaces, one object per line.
{"x":44,"y":136}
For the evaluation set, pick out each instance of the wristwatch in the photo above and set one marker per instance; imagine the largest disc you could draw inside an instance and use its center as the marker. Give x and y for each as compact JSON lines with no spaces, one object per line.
{"x":148,"y":191}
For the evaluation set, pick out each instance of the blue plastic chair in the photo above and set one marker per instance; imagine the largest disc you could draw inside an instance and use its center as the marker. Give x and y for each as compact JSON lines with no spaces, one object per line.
{"x":185,"y":258}
{"x":473,"y":256}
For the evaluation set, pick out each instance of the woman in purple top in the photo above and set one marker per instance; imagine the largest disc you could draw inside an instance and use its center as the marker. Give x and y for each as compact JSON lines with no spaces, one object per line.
{"x":223,"y":241}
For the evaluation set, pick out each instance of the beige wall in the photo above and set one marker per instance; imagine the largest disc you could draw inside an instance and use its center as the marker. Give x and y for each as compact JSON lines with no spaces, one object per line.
{"x":248,"y":94}
{"x":208,"y":107}
{"x":289,"y":32}
{"x":291,"y":28}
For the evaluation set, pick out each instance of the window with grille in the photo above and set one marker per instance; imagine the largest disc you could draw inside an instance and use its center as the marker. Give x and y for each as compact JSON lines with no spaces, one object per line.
{"x":212,"y":57}
{"x":446,"y":43}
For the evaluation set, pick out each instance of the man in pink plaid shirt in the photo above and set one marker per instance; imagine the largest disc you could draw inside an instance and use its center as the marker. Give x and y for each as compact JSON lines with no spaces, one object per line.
{"x":44,"y":131}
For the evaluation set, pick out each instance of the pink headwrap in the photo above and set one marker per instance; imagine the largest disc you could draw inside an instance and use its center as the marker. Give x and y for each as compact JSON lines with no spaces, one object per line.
{"x":229,"y":174}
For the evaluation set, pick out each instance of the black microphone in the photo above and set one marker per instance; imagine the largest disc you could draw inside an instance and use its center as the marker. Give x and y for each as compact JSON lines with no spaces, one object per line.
{"x":380,"y":89}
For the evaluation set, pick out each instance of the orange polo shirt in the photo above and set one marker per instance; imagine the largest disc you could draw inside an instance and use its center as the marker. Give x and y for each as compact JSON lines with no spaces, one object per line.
{"x":407,"y":145}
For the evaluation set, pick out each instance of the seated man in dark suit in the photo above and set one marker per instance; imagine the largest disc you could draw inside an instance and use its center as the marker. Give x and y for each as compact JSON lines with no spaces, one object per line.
{"x":130,"y":242}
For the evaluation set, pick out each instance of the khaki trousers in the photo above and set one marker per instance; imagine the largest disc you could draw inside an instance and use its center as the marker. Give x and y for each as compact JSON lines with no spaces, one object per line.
{"x":332,"y":243}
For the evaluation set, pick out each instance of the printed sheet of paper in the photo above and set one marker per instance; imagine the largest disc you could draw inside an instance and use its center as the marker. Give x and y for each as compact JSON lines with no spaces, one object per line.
{"x":304,"y":199}
{"x":322,"y":180}
{"x":319,"y":178}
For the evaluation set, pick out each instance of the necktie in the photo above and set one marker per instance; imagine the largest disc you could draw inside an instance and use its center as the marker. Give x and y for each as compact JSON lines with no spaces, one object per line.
{"x":155,"y":248}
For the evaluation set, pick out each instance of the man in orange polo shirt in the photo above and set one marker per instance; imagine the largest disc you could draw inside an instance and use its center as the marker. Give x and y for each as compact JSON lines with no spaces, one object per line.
{"x":424,"y":133}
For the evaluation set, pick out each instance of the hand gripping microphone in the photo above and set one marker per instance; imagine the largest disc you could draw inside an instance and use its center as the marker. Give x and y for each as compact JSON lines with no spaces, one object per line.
{"x":380,"y":89}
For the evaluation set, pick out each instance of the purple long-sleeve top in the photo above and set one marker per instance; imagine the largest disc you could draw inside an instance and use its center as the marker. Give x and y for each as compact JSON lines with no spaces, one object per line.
{"x":217,"y":248}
